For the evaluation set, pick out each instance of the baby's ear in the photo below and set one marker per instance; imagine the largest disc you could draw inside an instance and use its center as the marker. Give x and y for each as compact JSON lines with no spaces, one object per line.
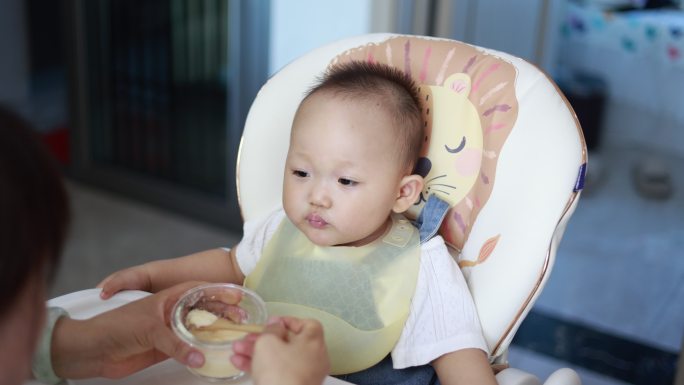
{"x":409,"y":190}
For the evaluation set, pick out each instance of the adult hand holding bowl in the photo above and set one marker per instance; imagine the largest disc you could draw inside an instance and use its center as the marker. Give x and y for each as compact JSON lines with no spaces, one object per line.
{"x":210,"y":318}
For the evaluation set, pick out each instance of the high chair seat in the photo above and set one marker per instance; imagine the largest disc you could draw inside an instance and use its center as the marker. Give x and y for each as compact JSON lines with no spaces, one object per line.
{"x":503,"y":148}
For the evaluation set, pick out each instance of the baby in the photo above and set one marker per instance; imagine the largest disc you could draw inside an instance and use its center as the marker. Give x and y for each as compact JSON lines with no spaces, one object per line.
{"x":339,"y":251}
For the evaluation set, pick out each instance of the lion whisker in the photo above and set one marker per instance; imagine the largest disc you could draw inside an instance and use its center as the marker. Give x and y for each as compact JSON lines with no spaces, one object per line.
{"x":442,"y":184}
{"x":438,"y":176}
{"x":442,"y":191}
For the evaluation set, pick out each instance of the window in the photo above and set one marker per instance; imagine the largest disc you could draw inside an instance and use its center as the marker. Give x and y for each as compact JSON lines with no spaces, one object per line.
{"x":161,"y":92}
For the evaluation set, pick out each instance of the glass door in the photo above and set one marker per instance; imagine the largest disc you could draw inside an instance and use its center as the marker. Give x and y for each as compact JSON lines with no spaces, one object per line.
{"x":161,"y":91}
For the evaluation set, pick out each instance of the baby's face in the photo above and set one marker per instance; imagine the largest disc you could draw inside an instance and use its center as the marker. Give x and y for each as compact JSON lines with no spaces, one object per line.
{"x":342,"y":174}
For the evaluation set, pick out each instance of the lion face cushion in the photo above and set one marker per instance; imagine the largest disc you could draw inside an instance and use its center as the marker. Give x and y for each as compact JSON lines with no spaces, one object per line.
{"x":470,"y":107}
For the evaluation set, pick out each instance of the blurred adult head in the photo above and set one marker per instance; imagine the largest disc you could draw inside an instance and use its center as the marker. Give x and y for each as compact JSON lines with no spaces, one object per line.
{"x":34,"y":217}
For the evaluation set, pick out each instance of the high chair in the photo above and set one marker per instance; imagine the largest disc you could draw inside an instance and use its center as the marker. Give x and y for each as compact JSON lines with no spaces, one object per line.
{"x":504,"y":149}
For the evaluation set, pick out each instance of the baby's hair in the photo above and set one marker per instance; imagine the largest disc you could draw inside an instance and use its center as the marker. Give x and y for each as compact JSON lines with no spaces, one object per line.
{"x":397,"y":92}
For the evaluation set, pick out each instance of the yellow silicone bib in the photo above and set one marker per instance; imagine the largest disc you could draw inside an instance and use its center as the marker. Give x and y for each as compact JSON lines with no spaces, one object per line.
{"x":361,"y":295}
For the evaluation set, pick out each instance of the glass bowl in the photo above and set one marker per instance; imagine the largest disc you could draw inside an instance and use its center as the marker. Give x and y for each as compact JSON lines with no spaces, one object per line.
{"x":204,"y":317}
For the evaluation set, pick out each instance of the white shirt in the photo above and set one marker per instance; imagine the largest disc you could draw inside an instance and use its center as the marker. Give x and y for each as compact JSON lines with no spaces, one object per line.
{"x":442,"y":317}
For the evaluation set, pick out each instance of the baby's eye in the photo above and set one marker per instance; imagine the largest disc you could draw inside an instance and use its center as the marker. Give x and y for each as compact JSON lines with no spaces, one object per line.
{"x":300,"y":173}
{"x":347,"y":182}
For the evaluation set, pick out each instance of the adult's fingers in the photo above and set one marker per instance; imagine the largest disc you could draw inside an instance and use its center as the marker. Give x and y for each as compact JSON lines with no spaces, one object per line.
{"x":245,"y":346}
{"x":312,"y":329}
{"x":165,"y":341}
{"x":293,"y":324}
{"x":277,"y":327}
{"x":230,"y":297}
{"x":241,"y":362}
{"x":170,"y":296}
{"x":306,"y":326}
{"x":243,"y":350}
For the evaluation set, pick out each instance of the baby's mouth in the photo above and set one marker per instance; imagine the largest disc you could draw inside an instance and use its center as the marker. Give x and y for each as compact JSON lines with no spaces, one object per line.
{"x":316,"y":221}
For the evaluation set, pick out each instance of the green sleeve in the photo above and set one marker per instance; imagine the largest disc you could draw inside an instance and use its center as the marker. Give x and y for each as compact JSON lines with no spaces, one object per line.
{"x":42,"y":362}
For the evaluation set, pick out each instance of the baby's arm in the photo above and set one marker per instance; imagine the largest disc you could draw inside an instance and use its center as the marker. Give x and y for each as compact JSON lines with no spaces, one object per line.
{"x":215,"y":265}
{"x":465,"y":366}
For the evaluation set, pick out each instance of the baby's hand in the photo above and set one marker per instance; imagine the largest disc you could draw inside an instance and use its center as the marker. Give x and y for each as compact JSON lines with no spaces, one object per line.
{"x":133,"y":278}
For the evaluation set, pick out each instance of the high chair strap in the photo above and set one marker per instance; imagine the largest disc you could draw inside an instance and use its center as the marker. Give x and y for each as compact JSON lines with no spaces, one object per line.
{"x":431,"y":217}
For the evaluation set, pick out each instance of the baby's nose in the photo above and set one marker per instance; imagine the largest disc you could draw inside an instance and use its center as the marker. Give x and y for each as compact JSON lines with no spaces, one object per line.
{"x":319,"y":197}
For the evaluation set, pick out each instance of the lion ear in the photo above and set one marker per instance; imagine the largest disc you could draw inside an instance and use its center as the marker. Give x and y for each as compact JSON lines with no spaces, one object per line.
{"x":459,"y":83}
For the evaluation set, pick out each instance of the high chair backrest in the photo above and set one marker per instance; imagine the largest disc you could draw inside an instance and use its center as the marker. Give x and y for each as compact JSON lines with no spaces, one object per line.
{"x":502,"y":146}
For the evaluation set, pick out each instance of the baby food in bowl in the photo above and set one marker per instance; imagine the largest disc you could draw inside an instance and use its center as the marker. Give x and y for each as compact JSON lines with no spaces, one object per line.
{"x":210,"y":318}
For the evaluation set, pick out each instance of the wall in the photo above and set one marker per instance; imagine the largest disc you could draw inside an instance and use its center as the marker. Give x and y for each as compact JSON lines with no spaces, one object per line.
{"x":14,"y":68}
{"x":525,"y":28}
{"x":301,"y":25}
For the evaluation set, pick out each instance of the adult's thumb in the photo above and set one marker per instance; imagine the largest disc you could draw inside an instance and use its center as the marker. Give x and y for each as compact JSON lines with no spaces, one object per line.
{"x":165,"y":341}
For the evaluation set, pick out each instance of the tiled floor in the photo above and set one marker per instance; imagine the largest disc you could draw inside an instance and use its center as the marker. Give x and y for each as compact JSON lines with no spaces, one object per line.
{"x":619,"y":269}
{"x":542,"y":366}
{"x":620,"y":266}
{"x":109,"y":233}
